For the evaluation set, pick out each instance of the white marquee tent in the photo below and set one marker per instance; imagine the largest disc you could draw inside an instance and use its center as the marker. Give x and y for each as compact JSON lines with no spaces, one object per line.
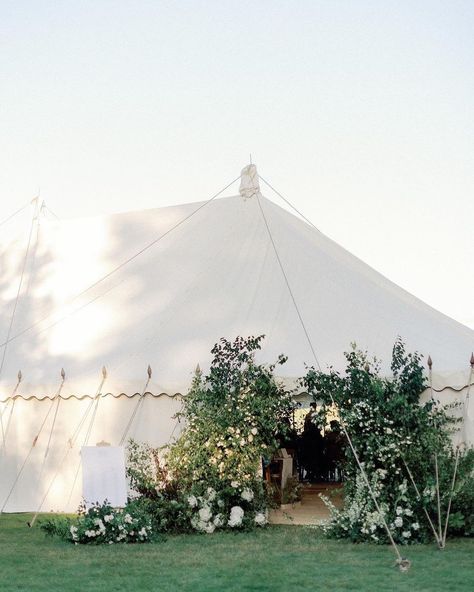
{"x":159,"y":288}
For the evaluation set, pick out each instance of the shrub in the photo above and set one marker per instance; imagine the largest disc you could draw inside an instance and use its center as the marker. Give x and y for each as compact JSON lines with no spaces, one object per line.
{"x":394,"y":434}
{"x":102,"y":524}
{"x":233,"y":416}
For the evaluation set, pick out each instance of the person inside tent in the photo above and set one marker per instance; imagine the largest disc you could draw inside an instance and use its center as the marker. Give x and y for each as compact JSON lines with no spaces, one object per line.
{"x":312,"y":448}
{"x":334,"y":451}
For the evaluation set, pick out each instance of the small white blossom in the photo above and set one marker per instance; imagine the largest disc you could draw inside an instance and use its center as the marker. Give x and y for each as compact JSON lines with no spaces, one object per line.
{"x":218,"y":520}
{"x":398,"y":521}
{"x":260,"y":519}
{"x":192,"y":501}
{"x":247,"y":495}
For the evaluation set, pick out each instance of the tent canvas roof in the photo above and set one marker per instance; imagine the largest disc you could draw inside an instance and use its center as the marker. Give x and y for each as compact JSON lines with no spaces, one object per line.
{"x":214,"y":275}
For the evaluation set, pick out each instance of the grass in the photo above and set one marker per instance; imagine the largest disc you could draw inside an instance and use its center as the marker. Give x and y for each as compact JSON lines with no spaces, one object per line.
{"x":279,"y":558}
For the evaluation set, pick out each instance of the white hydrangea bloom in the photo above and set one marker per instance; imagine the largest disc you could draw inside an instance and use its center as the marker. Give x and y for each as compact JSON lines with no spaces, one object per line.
{"x":236,"y":516}
{"x":247,"y":494}
{"x":205,"y":514}
{"x":260,"y":519}
{"x":398,"y":521}
{"x":209,"y":527}
{"x":254,"y":431}
{"x":406,"y":534}
{"x":234,"y":484}
{"x":192,"y":501}
{"x":218,"y":520}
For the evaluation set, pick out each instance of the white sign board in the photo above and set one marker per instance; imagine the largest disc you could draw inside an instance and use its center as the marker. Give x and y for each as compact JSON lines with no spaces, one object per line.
{"x":103,"y":475}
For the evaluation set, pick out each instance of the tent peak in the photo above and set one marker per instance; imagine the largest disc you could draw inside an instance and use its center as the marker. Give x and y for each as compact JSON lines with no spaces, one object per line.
{"x":249,"y":183}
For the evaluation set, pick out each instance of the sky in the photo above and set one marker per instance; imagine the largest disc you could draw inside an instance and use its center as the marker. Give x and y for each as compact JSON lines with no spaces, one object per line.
{"x":361,"y":113}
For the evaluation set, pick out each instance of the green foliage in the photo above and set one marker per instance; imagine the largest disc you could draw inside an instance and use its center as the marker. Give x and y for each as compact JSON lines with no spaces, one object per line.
{"x":291,"y":493}
{"x":146,"y":471}
{"x":101,"y":524}
{"x":393,"y":432}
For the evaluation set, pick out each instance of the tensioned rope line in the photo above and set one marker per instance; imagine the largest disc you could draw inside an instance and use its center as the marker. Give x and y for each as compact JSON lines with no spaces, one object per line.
{"x":20,"y":283}
{"x":70,"y":445}
{"x":117,"y":268}
{"x":415,"y":486}
{"x":402,"y":563}
{"x":456,"y":462}
{"x":8,"y":218}
{"x":46,"y":207}
{"x":287,"y":282}
{"x":137,"y":407}
{"x":420,"y":499}
{"x":17,"y":297}
{"x":35,"y":441}
{"x":287,"y":201}
{"x":48,"y":445}
{"x":5,"y":432}
{"x":85,"y":442}
{"x":32,"y":266}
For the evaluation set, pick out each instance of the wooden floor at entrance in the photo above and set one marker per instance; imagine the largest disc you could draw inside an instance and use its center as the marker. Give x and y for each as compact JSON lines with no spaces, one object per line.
{"x":312,"y":509}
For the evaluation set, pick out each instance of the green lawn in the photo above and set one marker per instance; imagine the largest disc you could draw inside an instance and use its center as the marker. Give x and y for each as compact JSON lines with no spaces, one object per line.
{"x":279,"y":558}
